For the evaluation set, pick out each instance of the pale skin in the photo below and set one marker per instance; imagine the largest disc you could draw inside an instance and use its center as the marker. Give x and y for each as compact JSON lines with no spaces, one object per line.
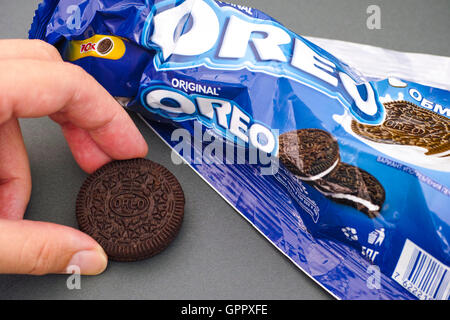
{"x":35,"y":82}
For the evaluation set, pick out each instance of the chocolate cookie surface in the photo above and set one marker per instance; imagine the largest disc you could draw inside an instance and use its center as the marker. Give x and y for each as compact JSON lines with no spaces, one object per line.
{"x":309,"y":153}
{"x":353,"y":186}
{"x":408,"y":124}
{"x":133,"y":208}
{"x":104,"y":46}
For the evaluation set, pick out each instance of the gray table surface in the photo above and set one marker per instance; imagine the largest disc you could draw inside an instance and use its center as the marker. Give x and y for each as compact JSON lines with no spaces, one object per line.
{"x":218,"y":254}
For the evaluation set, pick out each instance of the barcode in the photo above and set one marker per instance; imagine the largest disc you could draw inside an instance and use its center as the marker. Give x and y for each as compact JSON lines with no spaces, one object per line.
{"x":422,"y":274}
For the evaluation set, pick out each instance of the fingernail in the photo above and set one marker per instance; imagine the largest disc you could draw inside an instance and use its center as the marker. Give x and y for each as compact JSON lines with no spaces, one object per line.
{"x":88,"y":262}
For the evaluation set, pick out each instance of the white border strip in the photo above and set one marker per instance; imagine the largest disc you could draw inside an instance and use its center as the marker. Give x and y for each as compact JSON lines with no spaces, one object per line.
{"x":295,"y":263}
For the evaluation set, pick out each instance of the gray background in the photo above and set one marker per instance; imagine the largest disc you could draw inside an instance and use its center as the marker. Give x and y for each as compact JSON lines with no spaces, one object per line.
{"x":217,"y":255}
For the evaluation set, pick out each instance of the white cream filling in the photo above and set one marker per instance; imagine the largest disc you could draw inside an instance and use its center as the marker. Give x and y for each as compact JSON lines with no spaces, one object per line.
{"x":369,"y":205}
{"x":322,"y":174}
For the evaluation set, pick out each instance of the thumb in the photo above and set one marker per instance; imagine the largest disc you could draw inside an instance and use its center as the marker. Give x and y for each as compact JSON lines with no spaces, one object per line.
{"x":31,"y":247}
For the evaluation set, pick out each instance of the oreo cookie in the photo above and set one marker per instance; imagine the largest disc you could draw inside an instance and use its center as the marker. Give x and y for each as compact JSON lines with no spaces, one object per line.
{"x":353,"y":186}
{"x":310,"y":154}
{"x":132,"y":208}
{"x":408,"y":124}
{"x":104,"y":46}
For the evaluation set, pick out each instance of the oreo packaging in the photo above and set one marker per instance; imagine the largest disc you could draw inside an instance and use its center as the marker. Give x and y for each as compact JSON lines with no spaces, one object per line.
{"x":347,"y":173}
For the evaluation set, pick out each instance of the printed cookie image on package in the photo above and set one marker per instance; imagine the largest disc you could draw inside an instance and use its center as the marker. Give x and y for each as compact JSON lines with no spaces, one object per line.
{"x":408,"y":124}
{"x":355,"y":187}
{"x":310,"y":154}
{"x":343,"y":172}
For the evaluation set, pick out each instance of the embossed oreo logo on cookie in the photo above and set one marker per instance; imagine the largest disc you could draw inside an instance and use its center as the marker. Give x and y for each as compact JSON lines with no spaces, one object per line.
{"x":129,"y":204}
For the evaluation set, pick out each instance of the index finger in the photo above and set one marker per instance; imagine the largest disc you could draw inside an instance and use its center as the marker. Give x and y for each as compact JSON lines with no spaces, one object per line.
{"x":28,"y":49}
{"x":71,"y":97}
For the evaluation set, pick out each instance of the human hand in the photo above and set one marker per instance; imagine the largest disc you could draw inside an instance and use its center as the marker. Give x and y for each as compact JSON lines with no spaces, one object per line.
{"x":35,"y":82}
